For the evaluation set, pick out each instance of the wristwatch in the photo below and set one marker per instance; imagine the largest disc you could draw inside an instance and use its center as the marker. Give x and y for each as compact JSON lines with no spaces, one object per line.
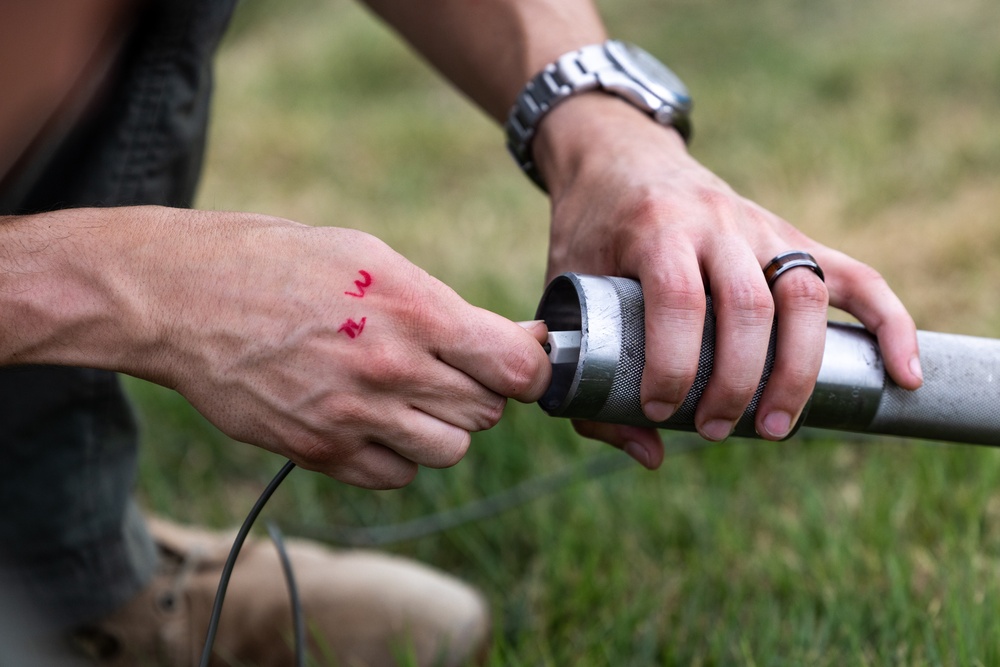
{"x":615,"y":67}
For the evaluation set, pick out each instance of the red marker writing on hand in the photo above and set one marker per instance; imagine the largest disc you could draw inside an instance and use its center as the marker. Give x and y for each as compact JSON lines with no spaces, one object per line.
{"x":361,"y":284}
{"x":351,"y":328}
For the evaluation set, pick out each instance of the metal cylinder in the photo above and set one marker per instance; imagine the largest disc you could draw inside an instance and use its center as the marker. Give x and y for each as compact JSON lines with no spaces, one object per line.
{"x":597,"y":346}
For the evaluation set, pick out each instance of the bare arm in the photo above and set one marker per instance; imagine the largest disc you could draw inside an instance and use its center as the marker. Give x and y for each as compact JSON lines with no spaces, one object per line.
{"x":490,"y":48}
{"x":321,"y":344}
{"x":628,"y":199}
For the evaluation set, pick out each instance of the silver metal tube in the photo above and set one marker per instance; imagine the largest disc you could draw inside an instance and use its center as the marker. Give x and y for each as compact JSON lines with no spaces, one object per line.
{"x":959,"y":400}
{"x":598,"y":353}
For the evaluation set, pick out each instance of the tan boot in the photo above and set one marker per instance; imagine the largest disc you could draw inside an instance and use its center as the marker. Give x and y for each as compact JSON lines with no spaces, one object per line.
{"x":362,"y":608}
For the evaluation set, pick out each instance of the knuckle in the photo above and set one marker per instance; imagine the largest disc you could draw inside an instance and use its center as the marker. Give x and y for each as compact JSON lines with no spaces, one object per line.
{"x":866,"y":274}
{"x":685,"y":297}
{"x":750,"y":304}
{"x":901,"y":319}
{"x":668,"y":374}
{"x":491,"y":413}
{"x":805,"y":291}
{"x":519,"y":374}
{"x":388,"y":365}
{"x":672,"y":292}
{"x":359,"y":468}
{"x":670,"y":383}
{"x":861,"y":278}
{"x":792,"y":379}
{"x":316,"y":452}
{"x":735,"y":397}
{"x":796,"y":380}
{"x":722,"y":202}
{"x":648,"y":208}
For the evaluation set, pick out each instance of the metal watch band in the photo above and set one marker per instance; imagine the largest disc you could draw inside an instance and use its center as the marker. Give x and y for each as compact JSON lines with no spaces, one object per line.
{"x":574,"y":72}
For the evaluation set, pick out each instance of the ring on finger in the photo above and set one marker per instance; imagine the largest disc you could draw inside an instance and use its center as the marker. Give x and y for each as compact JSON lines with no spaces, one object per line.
{"x":790,"y":260}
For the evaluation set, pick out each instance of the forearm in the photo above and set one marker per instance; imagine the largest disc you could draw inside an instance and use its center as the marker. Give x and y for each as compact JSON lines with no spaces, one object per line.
{"x":67,"y":295}
{"x":131,"y":289}
{"x":491,"y":48}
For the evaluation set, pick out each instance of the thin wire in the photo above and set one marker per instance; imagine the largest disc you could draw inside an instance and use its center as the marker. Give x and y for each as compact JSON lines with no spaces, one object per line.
{"x":227,"y":570}
{"x":298,"y":624}
{"x":520,"y":494}
{"x":484,"y":508}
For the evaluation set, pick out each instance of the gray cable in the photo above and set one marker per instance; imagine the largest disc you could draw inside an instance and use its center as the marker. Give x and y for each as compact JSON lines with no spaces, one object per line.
{"x":298,"y":622}
{"x":478,"y":510}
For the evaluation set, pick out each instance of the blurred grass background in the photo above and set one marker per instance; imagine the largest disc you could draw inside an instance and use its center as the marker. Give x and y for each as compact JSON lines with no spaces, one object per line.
{"x":872,"y":126}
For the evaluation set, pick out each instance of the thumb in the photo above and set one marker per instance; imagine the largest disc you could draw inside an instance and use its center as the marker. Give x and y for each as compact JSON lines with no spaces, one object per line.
{"x":504,"y":357}
{"x":537,"y":329}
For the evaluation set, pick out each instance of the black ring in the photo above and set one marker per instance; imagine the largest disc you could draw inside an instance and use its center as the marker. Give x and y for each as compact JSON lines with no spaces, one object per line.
{"x":790,"y":260}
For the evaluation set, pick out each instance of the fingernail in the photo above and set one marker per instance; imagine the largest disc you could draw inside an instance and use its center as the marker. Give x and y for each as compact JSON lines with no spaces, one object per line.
{"x":777,"y":424}
{"x":637,"y":452}
{"x":915,"y":367}
{"x":530,"y":324}
{"x":717,"y":429}
{"x":658,"y":411}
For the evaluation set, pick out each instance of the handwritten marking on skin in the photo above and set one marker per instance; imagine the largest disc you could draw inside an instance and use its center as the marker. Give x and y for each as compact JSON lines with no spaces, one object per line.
{"x":361,"y":284}
{"x":351,"y":328}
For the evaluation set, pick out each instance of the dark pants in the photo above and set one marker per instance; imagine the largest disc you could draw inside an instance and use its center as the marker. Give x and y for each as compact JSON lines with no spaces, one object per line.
{"x":71,"y":538}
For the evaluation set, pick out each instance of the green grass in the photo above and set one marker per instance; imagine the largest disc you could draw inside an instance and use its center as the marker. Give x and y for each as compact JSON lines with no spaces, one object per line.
{"x":870,"y":125}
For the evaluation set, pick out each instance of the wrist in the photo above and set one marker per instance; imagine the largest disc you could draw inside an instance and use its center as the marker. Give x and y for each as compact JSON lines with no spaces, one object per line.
{"x":586,"y":130}
{"x":614,"y":67}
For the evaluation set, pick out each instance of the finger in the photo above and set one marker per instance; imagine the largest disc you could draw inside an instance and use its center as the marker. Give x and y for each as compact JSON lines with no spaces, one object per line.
{"x":395,"y":377}
{"x":800,"y":299}
{"x":861,"y":291}
{"x":537,"y":329}
{"x":450,"y":395}
{"x":642,"y":444}
{"x":500,"y":355}
{"x":425,"y":439}
{"x":374,"y":466}
{"x":386,"y":451}
{"x":454,"y":397}
{"x":675,"y":303}
{"x":744,"y":312}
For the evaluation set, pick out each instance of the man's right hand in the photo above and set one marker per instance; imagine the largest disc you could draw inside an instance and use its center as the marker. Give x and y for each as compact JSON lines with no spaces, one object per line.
{"x":318,"y":343}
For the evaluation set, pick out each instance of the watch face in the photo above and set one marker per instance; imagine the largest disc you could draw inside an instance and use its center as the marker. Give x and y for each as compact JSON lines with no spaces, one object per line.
{"x":650,"y":72}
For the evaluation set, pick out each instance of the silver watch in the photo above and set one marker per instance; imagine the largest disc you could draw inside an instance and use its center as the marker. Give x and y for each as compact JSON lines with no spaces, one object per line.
{"x":616,"y":67}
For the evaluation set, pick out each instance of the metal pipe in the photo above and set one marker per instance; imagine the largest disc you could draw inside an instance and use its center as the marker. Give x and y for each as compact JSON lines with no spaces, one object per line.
{"x":597,"y":347}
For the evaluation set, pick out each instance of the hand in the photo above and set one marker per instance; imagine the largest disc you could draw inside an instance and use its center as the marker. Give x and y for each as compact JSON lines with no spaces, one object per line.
{"x":628,"y":200}
{"x":327,"y":347}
